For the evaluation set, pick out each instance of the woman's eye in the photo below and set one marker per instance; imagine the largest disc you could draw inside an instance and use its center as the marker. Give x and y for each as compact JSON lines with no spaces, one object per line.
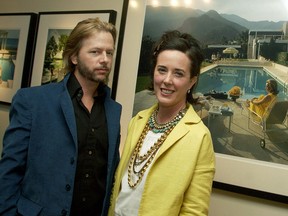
{"x":161,"y":70}
{"x":179,"y":74}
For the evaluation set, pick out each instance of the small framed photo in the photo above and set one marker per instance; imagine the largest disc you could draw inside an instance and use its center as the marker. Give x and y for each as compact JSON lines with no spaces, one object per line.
{"x":17,"y":34}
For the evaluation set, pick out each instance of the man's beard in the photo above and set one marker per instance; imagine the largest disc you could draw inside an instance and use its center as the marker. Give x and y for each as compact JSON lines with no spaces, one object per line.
{"x":90,"y":75}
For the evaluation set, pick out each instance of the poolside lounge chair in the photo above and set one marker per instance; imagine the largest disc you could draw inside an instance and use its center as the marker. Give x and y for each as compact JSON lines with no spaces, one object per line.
{"x":274,"y":118}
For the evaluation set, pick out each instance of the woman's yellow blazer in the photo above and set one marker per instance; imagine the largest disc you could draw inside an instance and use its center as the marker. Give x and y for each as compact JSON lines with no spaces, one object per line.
{"x":180,"y":179}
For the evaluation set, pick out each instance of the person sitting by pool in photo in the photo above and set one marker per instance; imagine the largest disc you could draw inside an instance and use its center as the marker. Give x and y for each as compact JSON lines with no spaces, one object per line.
{"x":259,"y":105}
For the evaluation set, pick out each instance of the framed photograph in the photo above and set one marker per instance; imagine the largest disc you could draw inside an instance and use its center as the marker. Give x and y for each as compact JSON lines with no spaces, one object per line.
{"x":53,"y":30}
{"x":235,"y":55}
{"x":17,"y":40}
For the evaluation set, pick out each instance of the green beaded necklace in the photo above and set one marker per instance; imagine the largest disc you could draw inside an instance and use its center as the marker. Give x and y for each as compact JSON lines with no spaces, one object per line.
{"x":161,"y":128}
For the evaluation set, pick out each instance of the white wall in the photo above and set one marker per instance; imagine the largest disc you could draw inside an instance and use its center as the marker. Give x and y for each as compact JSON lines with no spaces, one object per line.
{"x":223,"y":203}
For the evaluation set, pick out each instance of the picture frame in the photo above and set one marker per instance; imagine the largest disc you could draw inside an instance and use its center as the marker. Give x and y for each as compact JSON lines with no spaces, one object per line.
{"x":238,"y":174}
{"x":58,"y":24}
{"x":17,"y":43}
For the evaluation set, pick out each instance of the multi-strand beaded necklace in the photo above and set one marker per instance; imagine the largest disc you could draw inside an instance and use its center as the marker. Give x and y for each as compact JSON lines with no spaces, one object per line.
{"x":142,"y":162}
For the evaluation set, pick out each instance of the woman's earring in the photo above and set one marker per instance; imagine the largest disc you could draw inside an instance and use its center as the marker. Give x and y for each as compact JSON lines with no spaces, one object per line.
{"x":188,"y":92}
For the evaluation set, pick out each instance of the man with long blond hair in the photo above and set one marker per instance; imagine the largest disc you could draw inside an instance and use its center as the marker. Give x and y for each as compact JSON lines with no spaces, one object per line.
{"x":60,"y":150}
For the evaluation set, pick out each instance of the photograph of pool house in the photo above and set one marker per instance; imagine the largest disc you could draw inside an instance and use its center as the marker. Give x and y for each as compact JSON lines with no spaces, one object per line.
{"x":235,"y":55}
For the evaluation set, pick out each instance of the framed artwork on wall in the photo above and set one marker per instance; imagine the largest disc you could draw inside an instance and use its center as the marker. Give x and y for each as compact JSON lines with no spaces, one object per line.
{"x":17,"y":31}
{"x":53,"y":30}
{"x":235,"y":55}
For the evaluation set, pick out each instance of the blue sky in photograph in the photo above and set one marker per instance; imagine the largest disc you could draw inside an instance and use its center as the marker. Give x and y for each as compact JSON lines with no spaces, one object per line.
{"x":252,"y":10}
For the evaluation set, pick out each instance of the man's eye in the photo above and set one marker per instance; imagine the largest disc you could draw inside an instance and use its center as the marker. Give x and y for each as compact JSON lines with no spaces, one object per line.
{"x":110,"y":53}
{"x":95,"y":51}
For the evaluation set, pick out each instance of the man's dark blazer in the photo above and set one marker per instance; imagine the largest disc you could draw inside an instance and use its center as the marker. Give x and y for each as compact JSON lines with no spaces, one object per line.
{"x":39,"y":157}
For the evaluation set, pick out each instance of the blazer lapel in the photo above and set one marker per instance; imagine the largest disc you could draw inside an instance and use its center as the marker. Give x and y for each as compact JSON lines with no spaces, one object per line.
{"x":180,"y":130}
{"x":138,"y":131}
{"x":177,"y":133}
{"x":68,"y":110}
{"x":113,"y":118}
{"x":132,"y":138}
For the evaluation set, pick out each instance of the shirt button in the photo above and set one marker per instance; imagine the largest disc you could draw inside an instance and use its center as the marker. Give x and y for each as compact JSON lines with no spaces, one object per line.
{"x":90,"y":152}
{"x":92,"y":129}
{"x":68,"y":187}
{"x":80,"y":93}
{"x":86,"y":175}
{"x":83,"y":199}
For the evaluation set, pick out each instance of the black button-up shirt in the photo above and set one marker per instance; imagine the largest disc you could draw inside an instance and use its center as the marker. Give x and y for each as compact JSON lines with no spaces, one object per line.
{"x":91,"y":171}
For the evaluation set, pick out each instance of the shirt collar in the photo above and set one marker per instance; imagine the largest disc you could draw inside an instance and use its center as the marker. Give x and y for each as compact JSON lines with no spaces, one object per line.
{"x":75,"y":89}
{"x":74,"y":86}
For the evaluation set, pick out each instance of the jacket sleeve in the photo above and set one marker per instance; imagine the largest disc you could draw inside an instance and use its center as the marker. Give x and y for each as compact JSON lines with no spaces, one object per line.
{"x":13,"y":161}
{"x":197,"y":196}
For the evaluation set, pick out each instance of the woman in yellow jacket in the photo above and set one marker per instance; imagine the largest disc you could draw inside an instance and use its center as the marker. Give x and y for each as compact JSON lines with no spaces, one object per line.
{"x":168,"y":163}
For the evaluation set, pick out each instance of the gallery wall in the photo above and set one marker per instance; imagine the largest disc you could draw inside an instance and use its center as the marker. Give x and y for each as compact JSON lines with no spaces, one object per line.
{"x":223,"y":203}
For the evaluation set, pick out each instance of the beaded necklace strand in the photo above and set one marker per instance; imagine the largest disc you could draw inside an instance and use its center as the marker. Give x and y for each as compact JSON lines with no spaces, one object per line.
{"x":146,"y":159}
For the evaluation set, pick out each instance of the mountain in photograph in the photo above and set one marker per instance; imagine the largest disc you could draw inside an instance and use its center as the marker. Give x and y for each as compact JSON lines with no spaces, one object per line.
{"x":211,"y":28}
{"x":160,"y":19}
{"x":208,"y":27}
{"x":254,"y":25}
